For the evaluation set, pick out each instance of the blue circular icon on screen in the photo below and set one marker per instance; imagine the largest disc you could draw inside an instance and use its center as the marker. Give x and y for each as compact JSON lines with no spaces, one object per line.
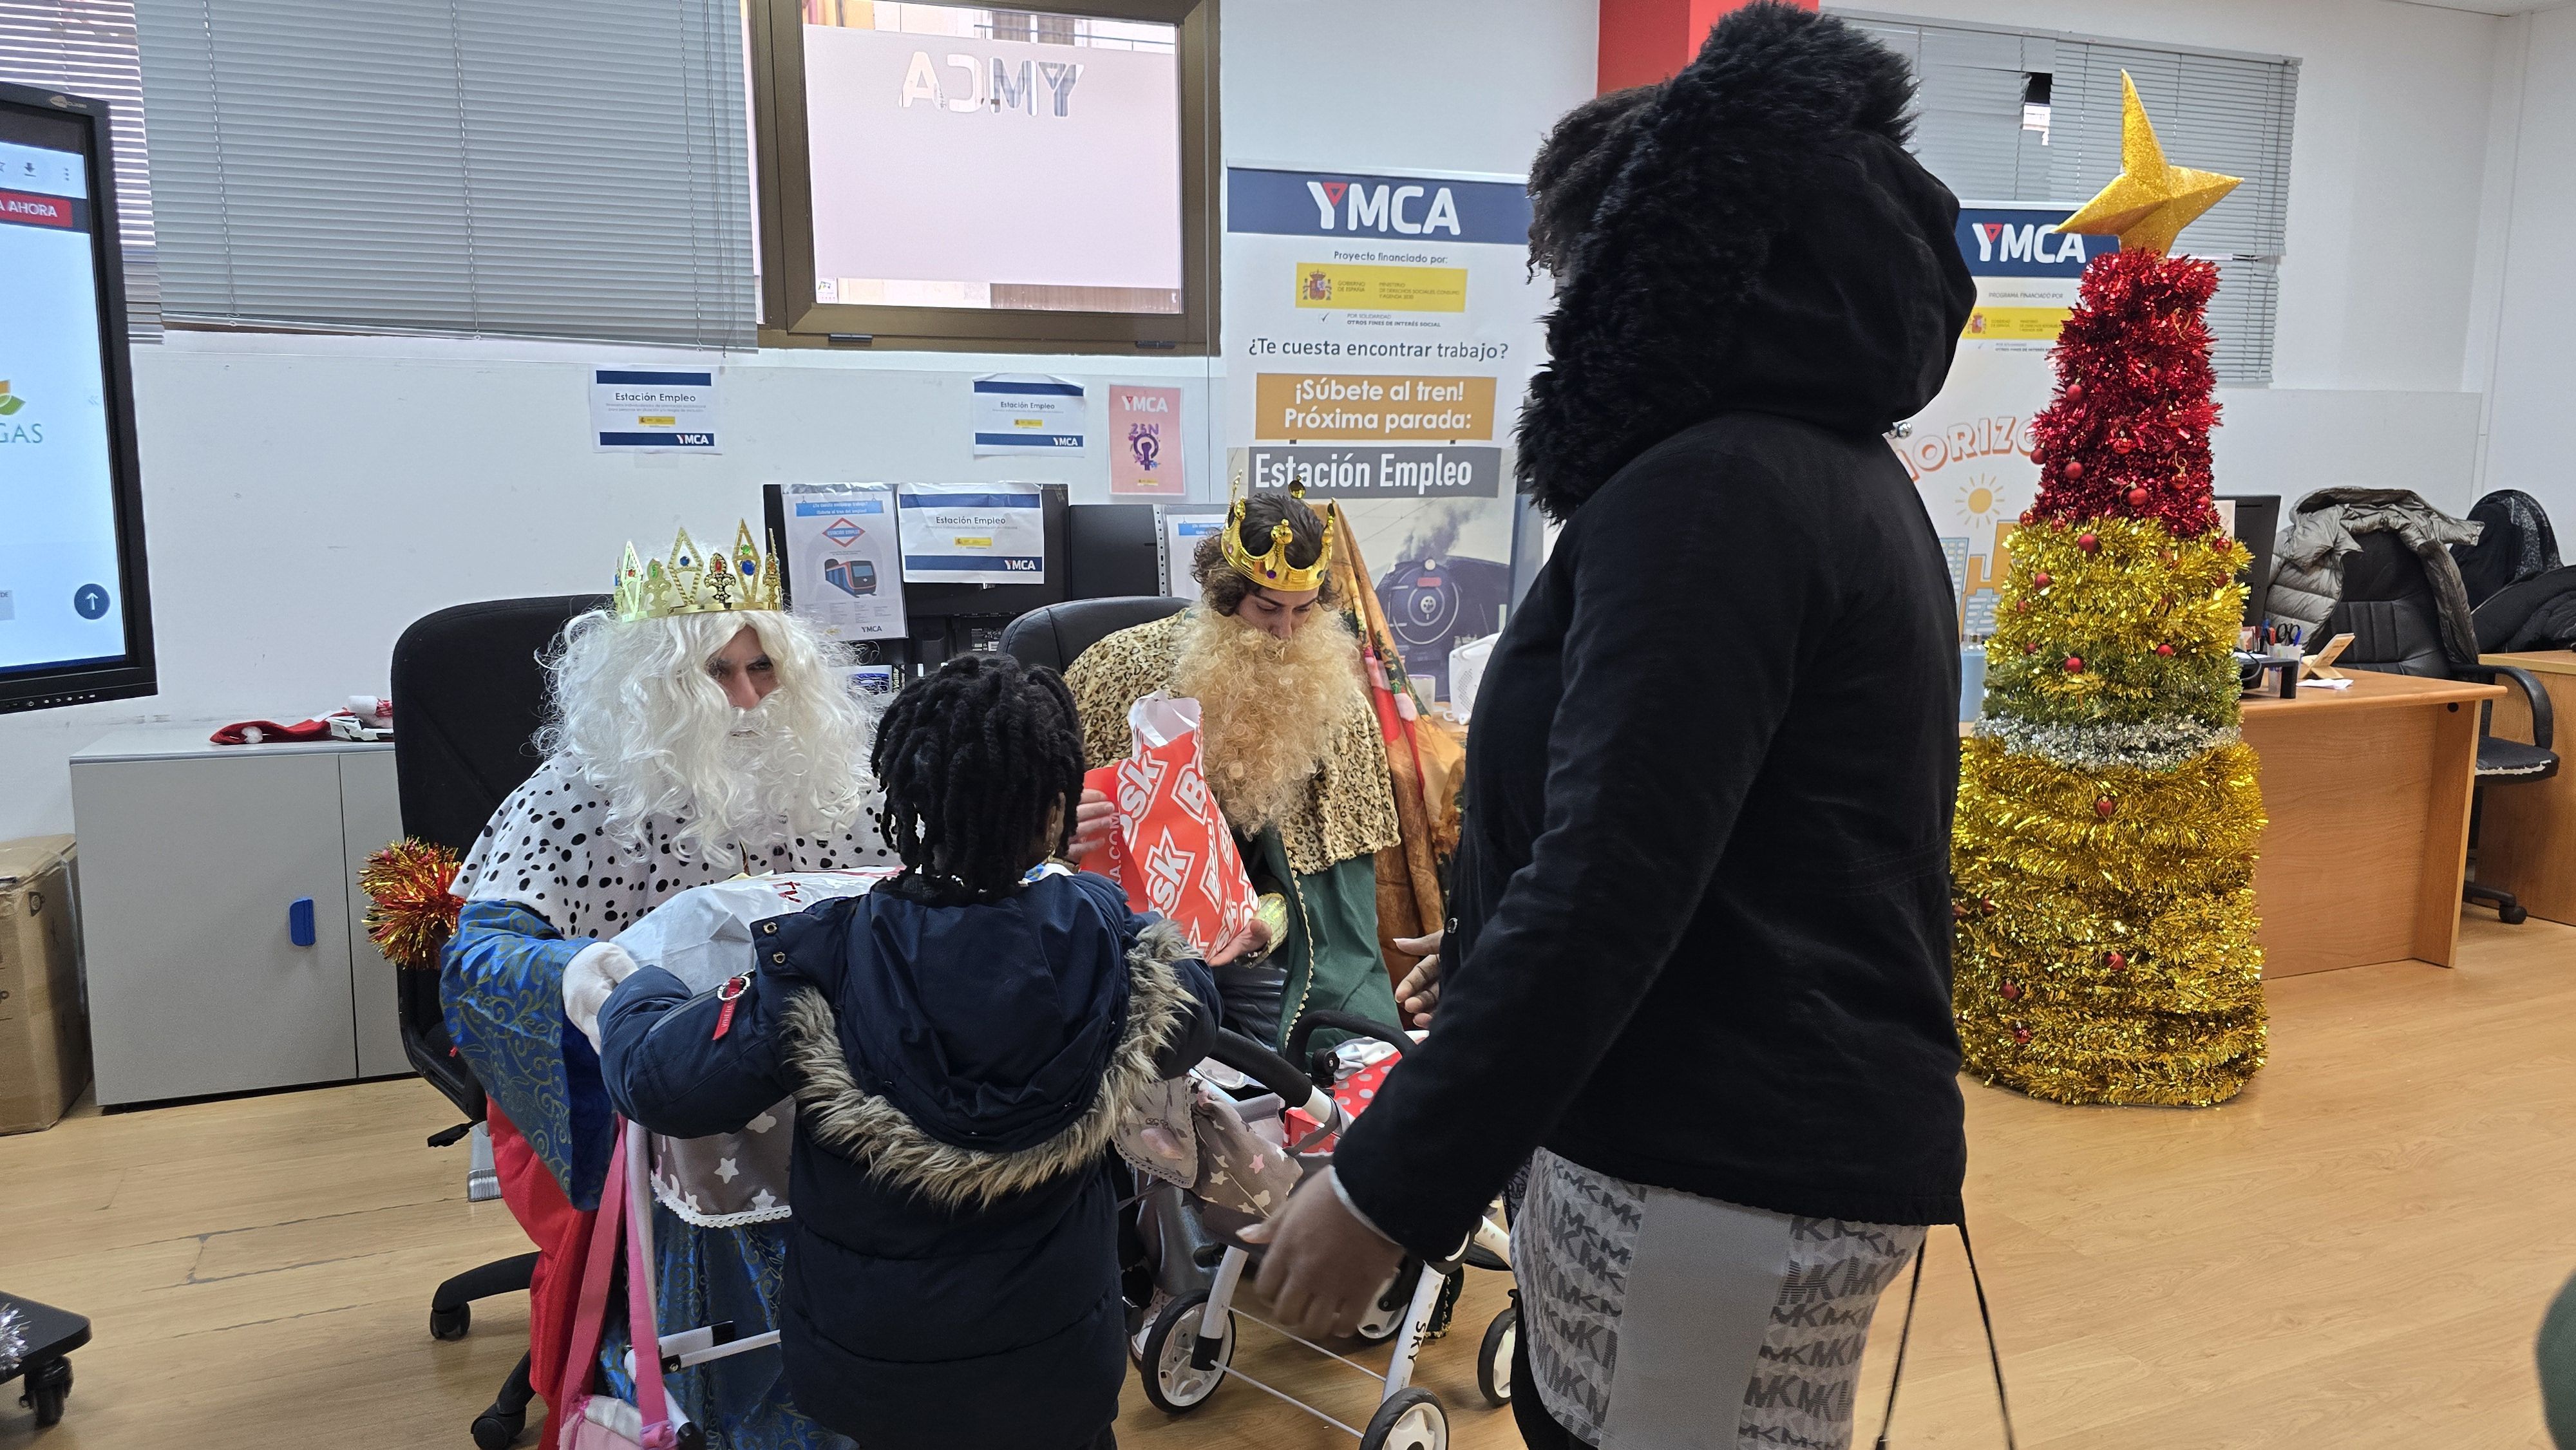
{"x":90,"y":600}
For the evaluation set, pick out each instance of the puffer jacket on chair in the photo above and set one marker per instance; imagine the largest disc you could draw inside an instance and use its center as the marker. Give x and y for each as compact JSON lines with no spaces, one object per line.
{"x":2326,"y":529}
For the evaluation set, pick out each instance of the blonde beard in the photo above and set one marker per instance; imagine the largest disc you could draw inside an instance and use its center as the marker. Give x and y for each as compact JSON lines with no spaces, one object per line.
{"x":1268,"y":708}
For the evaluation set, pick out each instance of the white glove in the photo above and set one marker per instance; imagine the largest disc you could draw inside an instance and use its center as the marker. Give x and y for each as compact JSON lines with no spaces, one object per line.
{"x":589,"y":979}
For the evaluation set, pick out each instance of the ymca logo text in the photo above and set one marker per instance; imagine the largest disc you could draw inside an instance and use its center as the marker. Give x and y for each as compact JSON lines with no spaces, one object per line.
{"x":1353,"y":206}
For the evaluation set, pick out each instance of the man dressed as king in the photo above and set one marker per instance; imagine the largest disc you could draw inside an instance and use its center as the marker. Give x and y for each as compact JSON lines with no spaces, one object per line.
{"x":1291,"y":748}
{"x":695,"y":732}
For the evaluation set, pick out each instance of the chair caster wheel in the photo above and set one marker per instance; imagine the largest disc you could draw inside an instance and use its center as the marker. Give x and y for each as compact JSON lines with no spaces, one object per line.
{"x":48,"y":1385}
{"x":450,"y":1323}
{"x":2512,"y":915}
{"x":494,"y":1430}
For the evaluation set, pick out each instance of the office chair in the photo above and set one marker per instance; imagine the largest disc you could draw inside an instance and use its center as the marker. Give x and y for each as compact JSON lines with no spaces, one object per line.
{"x":2388,"y":607}
{"x":1056,"y":635}
{"x":468,"y":696}
{"x":2515,"y":544}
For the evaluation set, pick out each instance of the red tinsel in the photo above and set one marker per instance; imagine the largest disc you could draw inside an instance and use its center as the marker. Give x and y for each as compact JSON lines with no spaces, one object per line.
{"x":2128,"y":436}
{"x":411,"y":914}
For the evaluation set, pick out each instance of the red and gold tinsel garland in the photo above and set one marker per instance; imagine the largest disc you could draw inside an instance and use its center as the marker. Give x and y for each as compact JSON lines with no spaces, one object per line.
{"x":410,"y":911}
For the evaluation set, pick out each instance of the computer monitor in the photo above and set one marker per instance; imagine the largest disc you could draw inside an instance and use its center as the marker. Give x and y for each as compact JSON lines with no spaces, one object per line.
{"x":2258,"y":522}
{"x":1112,"y":551}
{"x":75,"y":601}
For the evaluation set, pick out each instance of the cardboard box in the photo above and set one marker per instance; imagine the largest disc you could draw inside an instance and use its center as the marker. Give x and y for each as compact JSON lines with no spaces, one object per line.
{"x":44,"y":1020}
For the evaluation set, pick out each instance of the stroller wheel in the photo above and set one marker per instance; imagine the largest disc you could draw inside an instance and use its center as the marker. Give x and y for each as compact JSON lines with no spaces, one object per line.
{"x":1174,"y":1382}
{"x":1411,"y":1419}
{"x":1386,"y":1316}
{"x":1494,"y":1360}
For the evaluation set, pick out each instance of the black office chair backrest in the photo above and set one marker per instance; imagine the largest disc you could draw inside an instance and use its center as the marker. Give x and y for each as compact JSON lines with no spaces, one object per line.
{"x":1057,"y":635}
{"x":2515,"y":544}
{"x":468,"y":696}
{"x":2388,"y":608}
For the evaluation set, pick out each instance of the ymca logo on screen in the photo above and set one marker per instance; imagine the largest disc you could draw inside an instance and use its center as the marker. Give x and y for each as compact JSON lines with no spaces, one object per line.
{"x":991,"y":84}
{"x":15,"y":427}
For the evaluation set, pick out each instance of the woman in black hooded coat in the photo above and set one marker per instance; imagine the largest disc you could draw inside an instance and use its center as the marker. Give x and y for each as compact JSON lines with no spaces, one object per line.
{"x":1702,"y":927}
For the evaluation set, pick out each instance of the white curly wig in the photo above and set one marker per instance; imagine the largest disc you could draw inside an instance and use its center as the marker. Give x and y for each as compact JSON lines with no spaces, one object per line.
{"x":634,"y":707}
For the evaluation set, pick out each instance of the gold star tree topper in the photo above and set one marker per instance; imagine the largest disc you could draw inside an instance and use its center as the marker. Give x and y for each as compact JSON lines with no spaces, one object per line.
{"x":2149,"y":203}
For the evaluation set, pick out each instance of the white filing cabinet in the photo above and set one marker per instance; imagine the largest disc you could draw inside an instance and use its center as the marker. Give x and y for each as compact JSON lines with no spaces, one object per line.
{"x":193,"y":857}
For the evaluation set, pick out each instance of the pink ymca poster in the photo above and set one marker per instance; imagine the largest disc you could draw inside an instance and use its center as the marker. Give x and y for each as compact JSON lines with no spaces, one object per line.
{"x":1145,"y":443}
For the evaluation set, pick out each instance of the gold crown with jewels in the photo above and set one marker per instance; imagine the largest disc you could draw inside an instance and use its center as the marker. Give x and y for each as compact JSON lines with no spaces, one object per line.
{"x":1272,"y":570}
{"x":696,"y":581}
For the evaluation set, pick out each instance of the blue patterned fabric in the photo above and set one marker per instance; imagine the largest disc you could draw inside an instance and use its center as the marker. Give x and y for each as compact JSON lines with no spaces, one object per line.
{"x":501,"y":981}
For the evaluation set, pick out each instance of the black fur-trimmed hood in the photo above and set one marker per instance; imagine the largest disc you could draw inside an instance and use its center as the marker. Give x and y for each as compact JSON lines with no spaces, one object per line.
{"x":1764,"y":242}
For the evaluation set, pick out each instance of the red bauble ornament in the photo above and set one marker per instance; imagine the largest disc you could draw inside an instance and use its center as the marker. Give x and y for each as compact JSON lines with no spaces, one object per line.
{"x":2088,"y":543}
{"x":2030,"y":648}
{"x":2021,"y":606}
{"x":2039,"y":580}
{"x":2074,"y":390}
{"x":2122,"y":445}
{"x":2075,"y":664}
{"x":2021,"y":1036}
{"x":2165,"y":650}
{"x":1958,"y":911}
{"x":2104,"y":807}
{"x":2074,"y":468}
{"x":2115,"y":961}
{"x":2012,"y":991}
{"x":2137,"y":498}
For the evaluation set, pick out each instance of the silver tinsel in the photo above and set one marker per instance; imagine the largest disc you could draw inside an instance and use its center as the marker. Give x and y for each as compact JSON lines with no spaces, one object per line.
{"x":2163,"y":744}
{"x":13,"y":1338}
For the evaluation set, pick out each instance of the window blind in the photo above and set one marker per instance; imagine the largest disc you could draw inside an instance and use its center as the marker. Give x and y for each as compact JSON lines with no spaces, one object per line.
{"x":2214,"y":111}
{"x":472,"y":167}
{"x":86,"y":47}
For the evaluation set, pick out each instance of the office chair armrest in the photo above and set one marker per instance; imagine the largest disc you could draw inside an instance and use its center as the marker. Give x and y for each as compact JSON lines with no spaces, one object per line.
{"x":2543,"y":718}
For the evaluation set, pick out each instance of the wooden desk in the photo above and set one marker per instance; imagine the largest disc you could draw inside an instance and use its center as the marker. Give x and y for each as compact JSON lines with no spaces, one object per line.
{"x":2368,"y":794}
{"x":2527,"y":837}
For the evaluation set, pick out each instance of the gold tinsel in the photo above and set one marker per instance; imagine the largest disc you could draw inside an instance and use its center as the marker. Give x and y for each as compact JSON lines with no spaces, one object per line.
{"x":2107,"y":945}
{"x":2110,"y":607}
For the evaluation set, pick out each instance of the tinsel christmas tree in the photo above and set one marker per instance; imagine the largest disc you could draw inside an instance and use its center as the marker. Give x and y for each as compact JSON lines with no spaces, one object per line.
{"x":2108,"y":811}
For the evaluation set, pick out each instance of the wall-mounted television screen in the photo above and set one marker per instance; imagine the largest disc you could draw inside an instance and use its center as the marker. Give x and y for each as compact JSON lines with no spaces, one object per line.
{"x":75,"y":611}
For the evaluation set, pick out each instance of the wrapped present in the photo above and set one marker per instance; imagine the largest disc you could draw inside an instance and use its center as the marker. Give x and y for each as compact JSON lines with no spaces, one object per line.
{"x":1172,"y":851}
{"x":703,"y":937}
{"x":1352,"y":1094}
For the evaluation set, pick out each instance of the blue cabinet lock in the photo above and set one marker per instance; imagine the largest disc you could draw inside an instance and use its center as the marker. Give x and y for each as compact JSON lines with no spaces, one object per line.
{"x":299,"y":921}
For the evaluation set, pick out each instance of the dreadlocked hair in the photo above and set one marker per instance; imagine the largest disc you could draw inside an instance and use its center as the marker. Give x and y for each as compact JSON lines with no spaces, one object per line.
{"x":974,"y":758}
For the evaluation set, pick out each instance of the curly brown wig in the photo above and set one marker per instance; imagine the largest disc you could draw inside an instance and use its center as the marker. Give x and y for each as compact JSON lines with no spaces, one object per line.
{"x":1223,"y":589}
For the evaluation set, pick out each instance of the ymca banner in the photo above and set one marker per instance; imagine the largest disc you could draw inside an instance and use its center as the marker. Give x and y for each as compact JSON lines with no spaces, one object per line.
{"x":1380,"y":331}
{"x":1969,"y":449}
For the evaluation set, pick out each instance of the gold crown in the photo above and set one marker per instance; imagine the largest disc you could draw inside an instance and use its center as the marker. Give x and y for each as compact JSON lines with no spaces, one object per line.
{"x":1272,"y":570}
{"x":695,"y":582}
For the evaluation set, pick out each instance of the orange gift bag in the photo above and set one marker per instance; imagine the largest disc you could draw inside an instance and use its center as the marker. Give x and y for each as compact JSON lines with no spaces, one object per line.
{"x":1172,"y":851}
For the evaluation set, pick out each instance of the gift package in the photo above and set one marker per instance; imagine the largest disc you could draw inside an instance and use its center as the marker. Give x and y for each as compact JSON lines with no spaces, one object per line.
{"x":1172,"y":850}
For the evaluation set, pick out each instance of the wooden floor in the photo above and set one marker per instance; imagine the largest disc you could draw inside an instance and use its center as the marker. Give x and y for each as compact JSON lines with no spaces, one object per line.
{"x":2354,"y":1255}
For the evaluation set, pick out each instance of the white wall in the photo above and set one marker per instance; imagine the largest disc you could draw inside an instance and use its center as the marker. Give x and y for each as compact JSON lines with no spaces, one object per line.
{"x":2529,"y":366}
{"x":305,"y":498}
{"x":2387,"y":171}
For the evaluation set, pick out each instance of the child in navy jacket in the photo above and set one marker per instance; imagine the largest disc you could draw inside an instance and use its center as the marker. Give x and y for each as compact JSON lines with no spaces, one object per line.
{"x":960,"y":1043}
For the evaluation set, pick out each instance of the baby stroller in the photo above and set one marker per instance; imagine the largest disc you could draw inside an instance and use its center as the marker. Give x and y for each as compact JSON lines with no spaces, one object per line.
{"x":1195,"y":1263}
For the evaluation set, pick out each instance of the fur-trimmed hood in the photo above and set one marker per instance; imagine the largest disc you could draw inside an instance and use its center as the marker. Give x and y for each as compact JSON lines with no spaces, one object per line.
{"x":959,"y":1159}
{"x":1762,"y":241}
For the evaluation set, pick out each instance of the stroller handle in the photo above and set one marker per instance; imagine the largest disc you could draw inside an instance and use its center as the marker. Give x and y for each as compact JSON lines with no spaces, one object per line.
{"x":1307,"y":1025}
{"x":1263,"y":1066}
{"x":1278,"y":1074}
